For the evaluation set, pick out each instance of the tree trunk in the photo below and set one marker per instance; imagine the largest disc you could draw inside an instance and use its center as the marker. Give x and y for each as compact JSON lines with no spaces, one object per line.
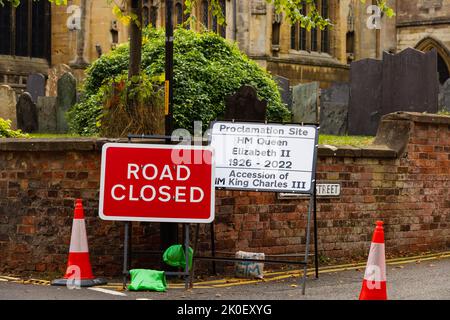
{"x":135,"y":49}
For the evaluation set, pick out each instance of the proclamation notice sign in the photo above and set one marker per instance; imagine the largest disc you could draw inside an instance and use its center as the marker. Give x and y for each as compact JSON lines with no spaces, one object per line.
{"x":157,"y":183}
{"x":264,"y":157}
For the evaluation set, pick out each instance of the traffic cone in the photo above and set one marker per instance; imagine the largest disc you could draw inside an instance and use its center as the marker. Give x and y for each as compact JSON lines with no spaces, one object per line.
{"x":79,"y":270}
{"x":374,"y":284}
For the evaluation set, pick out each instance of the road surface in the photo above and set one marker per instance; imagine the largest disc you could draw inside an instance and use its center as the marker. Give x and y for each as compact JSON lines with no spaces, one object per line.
{"x":427,"y":280}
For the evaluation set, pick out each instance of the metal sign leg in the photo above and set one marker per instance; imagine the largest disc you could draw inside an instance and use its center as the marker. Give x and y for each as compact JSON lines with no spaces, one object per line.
{"x":197,"y":231}
{"x":213,"y":246}
{"x":126,"y":242}
{"x":308,"y":240}
{"x":316,"y":245}
{"x":186,"y":255}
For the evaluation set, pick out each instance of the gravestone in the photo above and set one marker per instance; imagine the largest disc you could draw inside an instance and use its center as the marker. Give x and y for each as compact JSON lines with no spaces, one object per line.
{"x":47,"y":116}
{"x":36,"y":86}
{"x":305,"y":107}
{"x":364,"y":111}
{"x":8,"y":105}
{"x":402,"y":82}
{"x":54,"y":74}
{"x":67,"y":97}
{"x":410,"y":82}
{"x":27,"y":114}
{"x":245,"y":105}
{"x":444,"y":97}
{"x":334,"y":103}
{"x":285,"y":90}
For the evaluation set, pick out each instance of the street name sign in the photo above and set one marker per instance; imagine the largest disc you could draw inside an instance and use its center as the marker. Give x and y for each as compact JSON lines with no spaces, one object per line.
{"x":322,"y":190}
{"x":157,"y":183}
{"x":264,"y":157}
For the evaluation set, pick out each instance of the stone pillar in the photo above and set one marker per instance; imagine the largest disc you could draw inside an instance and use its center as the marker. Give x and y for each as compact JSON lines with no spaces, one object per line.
{"x":80,"y":62}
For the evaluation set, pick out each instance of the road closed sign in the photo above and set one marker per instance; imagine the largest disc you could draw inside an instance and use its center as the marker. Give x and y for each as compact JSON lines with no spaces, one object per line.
{"x":157,"y":183}
{"x":264,"y":157}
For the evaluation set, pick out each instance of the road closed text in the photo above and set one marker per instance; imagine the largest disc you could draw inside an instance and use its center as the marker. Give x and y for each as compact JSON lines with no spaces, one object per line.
{"x":159,"y":192}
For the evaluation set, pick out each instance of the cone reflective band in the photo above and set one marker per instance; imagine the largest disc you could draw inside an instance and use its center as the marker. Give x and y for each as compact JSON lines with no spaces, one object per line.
{"x":374,"y":283}
{"x":79,"y":270}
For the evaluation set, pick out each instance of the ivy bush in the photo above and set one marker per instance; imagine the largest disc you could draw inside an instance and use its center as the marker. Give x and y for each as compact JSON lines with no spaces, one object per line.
{"x":207,"y":68}
{"x":7,"y":132}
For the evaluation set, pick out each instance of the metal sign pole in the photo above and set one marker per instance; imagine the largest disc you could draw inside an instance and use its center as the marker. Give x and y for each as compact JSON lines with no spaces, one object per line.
{"x":316,"y":251}
{"x":308,"y":240}
{"x":213,"y":246}
{"x":126,"y":256}
{"x":186,"y":255}
{"x":197,"y":231}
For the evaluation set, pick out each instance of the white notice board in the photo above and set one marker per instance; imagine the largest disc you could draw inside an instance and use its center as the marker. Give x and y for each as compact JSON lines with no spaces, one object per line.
{"x":264,"y":157}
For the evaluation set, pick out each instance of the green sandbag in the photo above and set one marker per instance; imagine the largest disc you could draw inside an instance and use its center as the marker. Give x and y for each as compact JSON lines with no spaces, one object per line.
{"x":174,"y":256}
{"x":147,"y":280}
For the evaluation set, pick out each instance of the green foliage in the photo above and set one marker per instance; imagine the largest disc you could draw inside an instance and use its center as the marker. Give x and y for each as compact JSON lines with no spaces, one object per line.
{"x":353,"y":141}
{"x":206,"y":69}
{"x":7,"y":132}
{"x":292,"y":8}
{"x":15,"y":3}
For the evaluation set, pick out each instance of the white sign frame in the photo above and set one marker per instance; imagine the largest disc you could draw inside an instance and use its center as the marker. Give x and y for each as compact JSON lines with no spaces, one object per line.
{"x":289,"y":126}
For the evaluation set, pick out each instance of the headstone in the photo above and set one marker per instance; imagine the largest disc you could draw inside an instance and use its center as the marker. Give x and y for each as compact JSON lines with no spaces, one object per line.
{"x":27,"y":114}
{"x":54,"y":74}
{"x":67,"y":97}
{"x":36,"y":86}
{"x":402,"y":82}
{"x":410,"y":82}
{"x":305,"y":103}
{"x":444,"y":97}
{"x":285,"y":90}
{"x":245,"y":105}
{"x":8,"y":105}
{"x":364,"y":112}
{"x":334,"y":109}
{"x":47,"y":116}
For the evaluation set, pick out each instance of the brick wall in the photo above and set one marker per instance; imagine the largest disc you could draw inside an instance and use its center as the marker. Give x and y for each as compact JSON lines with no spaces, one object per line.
{"x":404,"y":179}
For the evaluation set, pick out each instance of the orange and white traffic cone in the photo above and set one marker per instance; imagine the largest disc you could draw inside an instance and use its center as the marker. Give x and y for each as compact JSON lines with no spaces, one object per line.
{"x":374,"y":284}
{"x":79,"y":270}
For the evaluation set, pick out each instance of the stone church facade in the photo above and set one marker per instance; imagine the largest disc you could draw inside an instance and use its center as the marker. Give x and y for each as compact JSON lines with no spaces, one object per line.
{"x":38,"y":35}
{"x":425,"y":25}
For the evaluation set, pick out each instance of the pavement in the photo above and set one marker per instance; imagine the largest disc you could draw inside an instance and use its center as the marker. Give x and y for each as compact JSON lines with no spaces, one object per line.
{"x":422,"y":278}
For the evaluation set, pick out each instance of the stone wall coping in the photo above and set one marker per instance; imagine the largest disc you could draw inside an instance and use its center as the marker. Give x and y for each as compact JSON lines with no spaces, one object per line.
{"x":381,"y":149}
{"x":372,"y":151}
{"x":95,"y":144}
{"x":418,"y":117}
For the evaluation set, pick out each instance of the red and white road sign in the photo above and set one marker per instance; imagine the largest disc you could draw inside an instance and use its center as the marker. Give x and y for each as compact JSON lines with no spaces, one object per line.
{"x":157,"y":183}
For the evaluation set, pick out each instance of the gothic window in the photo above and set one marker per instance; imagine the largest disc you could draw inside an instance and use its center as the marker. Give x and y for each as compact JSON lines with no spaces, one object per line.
{"x":25,"y":30}
{"x":146,"y":13}
{"x":325,"y":34}
{"x":223,"y":29}
{"x":299,"y":34}
{"x":205,"y":13}
{"x":179,"y":13}
{"x":209,"y":21}
{"x":315,"y":40}
{"x":153,"y":15}
{"x":302,"y":39}
{"x":5,"y":29}
{"x":149,"y":13}
{"x":179,"y":17}
{"x":443,"y":71}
